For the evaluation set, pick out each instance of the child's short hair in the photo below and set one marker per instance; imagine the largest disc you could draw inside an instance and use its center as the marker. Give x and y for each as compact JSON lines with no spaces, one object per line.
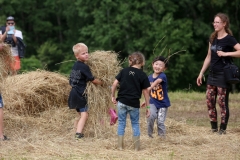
{"x":161,"y":58}
{"x":136,"y":58}
{"x":77,"y":47}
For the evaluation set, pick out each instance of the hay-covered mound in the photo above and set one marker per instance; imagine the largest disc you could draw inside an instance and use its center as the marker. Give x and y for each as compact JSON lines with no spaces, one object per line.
{"x":104,"y":65}
{"x":6,"y":61}
{"x":33,"y":92}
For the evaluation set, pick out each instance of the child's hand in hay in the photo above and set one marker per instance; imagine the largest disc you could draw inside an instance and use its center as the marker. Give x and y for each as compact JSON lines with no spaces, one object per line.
{"x":97,"y":81}
{"x":143,"y":105}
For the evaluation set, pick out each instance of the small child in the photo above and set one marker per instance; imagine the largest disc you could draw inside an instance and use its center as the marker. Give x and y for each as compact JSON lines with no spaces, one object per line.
{"x":79,"y":77}
{"x":133,"y":82}
{"x":159,"y":100}
{"x":2,"y":137}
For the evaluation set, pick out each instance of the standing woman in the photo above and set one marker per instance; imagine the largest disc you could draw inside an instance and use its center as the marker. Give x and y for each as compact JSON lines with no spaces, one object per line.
{"x":221,"y":40}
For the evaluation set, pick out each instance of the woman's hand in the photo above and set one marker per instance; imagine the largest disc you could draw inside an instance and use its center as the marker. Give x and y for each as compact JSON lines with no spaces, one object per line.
{"x":199,"y":79}
{"x":221,"y":54}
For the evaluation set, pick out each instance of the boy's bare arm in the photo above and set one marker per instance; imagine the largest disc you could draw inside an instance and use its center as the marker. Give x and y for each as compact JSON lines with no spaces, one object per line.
{"x":159,"y":80}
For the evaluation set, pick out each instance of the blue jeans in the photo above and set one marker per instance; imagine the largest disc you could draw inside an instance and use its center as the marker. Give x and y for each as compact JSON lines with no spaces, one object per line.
{"x":123,"y":110}
{"x":85,"y":109}
{"x":1,"y":101}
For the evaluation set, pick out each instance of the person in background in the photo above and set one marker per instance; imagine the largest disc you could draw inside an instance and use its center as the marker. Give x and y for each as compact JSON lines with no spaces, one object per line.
{"x":221,"y":43}
{"x":79,"y":77}
{"x":133,"y":82}
{"x":10,"y":36}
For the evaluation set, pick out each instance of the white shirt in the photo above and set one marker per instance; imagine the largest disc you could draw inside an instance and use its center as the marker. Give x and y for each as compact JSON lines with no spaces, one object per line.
{"x":15,"y":49}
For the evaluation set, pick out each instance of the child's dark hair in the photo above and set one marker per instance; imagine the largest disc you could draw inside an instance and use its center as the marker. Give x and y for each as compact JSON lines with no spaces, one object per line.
{"x":136,"y":58}
{"x":161,"y":58}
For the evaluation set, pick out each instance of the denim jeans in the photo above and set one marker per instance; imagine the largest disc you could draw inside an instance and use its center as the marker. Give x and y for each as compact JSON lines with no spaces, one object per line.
{"x":123,"y":110}
{"x":1,"y":101}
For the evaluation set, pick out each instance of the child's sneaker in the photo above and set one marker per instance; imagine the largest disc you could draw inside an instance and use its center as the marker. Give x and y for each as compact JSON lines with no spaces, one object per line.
{"x":113,"y":115}
{"x":149,"y":135}
{"x":79,"y":136}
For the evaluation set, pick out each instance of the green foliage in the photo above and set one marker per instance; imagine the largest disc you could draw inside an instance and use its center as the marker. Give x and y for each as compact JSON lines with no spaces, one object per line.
{"x":66,"y":66}
{"x":30,"y":64}
{"x":50,"y":29}
{"x":49,"y":54}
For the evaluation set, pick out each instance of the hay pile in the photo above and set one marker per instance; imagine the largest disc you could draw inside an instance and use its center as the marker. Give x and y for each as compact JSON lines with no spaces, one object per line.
{"x":6,"y":61}
{"x":34,"y":92}
{"x":105,"y":66}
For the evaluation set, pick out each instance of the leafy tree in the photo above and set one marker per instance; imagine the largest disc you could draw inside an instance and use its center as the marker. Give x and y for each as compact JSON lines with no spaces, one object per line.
{"x":49,"y":54}
{"x":51,"y":27}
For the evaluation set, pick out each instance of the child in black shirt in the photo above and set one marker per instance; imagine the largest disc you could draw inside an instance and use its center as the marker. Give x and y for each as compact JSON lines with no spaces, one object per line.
{"x":79,"y":77}
{"x":133,"y":82}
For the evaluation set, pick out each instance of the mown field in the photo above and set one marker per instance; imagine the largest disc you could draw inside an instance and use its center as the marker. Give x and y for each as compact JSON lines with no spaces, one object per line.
{"x":51,"y":135}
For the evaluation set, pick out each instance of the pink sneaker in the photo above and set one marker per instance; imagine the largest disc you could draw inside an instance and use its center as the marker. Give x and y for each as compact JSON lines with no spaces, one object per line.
{"x":113,"y":115}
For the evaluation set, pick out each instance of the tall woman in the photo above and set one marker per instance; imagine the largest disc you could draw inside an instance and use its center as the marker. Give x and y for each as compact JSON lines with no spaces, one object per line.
{"x":217,"y":88}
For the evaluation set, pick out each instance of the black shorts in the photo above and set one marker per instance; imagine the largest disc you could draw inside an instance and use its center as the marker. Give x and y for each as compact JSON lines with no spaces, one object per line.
{"x":76,"y":100}
{"x":217,"y":79}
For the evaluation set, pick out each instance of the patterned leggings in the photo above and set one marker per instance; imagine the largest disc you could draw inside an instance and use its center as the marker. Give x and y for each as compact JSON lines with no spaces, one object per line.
{"x":222,"y":93}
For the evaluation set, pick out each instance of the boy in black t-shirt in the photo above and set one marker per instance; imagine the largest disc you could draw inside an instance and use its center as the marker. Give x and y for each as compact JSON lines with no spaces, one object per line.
{"x":79,"y":77}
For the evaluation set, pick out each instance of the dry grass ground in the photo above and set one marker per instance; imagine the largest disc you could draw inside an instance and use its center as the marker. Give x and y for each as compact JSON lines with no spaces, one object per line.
{"x":50,"y":135}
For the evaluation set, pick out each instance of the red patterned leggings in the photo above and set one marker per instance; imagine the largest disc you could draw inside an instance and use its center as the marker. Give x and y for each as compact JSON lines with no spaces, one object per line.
{"x":214,"y":92}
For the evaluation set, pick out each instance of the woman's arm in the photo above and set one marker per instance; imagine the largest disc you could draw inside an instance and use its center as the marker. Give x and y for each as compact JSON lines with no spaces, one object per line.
{"x":206,"y":64}
{"x":157,"y":81}
{"x":232,"y":54}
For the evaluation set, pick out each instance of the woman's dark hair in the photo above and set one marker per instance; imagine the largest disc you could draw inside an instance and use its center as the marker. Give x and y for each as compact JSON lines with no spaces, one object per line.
{"x":224,"y":18}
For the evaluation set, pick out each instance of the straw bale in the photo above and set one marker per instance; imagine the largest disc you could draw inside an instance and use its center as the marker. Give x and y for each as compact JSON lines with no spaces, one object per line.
{"x":105,"y":66}
{"x":6,"y":61}
{"x":34,"y":92}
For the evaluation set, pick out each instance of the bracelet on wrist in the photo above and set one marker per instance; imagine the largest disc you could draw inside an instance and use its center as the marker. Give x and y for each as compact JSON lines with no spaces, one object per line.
{"x":148,"y":107}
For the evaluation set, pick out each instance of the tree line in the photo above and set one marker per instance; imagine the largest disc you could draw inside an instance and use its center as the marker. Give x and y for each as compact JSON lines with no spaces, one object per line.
{"x":176,"y":29}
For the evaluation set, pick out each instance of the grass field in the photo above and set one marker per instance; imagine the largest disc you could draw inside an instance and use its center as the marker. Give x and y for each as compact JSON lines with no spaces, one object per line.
{"x":51,"y":135}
